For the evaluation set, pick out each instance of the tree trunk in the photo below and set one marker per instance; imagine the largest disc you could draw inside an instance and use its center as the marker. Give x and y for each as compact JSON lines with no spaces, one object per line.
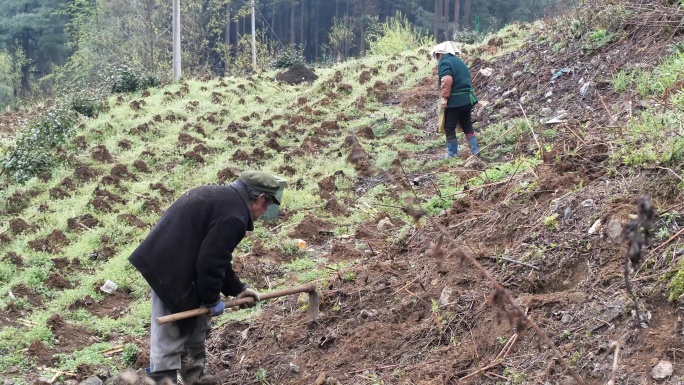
{"x":457,"y":15}
{"x":466,"y":14}
{"x":176,"y":40}
{"x":301,"y":30}
{"x":273,"y":21}
{"x":237,"y":37}
{"x":362,"y":27}
{"x":292,"y":23}
{"x":317,"y":29}
{"x":438,"y":19}
{"x":446,"y":20}
{"x":26,"y":67}
{"x":226,"y":40}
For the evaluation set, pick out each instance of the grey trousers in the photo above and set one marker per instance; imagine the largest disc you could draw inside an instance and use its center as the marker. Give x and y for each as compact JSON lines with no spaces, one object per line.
{"x":169,"y":350}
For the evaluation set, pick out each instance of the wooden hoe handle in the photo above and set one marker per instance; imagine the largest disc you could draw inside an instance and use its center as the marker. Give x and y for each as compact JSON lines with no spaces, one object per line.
{"x":234,"y":303}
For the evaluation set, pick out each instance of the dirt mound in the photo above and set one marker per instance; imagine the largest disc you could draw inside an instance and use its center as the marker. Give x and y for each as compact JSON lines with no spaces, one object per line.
{"x":70,"y":337}
{"x":153,"y":205}
{"x":297,"y":74}
{"x":41,"y":353}
{"x":112,"y":305}
{"x":132,"y":220}
{"x":11,"y":122}
{"x":52,"y":243}
{"x":85,"y":173}
{"x":18,"y":226}
{"x":141,"y":166}
{"x":15,"y":259}
{"x":227,"y":175}
{"x":101,"y":154}
{"x":313,"y":230}
{"x":57,"y":281}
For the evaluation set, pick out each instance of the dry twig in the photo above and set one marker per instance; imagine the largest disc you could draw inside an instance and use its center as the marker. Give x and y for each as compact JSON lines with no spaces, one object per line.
{"x":507,"y":304}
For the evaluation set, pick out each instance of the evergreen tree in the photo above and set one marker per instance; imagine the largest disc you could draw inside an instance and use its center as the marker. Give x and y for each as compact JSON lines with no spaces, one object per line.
{"x":35,"y":28}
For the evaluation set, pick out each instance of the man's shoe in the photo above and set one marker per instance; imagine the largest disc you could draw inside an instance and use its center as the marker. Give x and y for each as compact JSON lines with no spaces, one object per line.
{"x":165,"y":377}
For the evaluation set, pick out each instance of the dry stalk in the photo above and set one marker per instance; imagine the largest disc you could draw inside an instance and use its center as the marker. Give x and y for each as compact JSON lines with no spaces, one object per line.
{"x":616,"y":360}
{"x":492,"y":142}
{"x":534,"y":135}
{"x":482,"y":370}
{"x":637,"y":234}
{"x":503,"y":298}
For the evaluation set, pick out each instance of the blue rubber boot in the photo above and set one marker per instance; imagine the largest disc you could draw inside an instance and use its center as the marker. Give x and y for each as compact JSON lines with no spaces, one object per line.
{"x":474,"y":148}
{"x":452,"y":148}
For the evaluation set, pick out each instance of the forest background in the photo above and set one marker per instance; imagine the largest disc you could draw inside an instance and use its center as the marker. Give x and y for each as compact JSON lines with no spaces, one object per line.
{"x":53,"y":47}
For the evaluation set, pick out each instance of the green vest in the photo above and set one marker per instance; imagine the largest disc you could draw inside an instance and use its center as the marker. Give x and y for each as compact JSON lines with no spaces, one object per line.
{"x":462,"y":93}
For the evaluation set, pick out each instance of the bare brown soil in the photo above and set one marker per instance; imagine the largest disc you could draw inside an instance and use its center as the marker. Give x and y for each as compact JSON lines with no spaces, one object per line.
{"x":81,"y":142}
{"x":141,"y":166}
{"x":226,"y":175}
{"x":85,"y":173}
{"x":57,"y":281}
{"x":70,"y":337}
{"x":297,"y":74}
{"x":312,"y":230}
{"x":11,"y":122}
{"x":132,"y":220}
{"x":101,"y":154}
{"x":18,"y":226}
{"x":51,"y":244}
{"x":113,"y":305}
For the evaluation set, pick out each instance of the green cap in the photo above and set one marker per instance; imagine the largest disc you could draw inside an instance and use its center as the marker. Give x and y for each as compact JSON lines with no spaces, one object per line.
{"x":262,"y":182}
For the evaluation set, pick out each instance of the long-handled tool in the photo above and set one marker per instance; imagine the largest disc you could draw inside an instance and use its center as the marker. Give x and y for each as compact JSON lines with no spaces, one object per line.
{"x":314,"y":303}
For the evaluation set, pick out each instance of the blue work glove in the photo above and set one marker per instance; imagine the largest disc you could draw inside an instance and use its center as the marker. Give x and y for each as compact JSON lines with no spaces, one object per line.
{"x":216,"y":309}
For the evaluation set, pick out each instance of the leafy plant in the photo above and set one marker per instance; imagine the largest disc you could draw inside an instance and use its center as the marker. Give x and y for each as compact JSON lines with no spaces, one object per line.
{"x":34,"y":151}
{"x":261,"y":376}
{"x":575,"y":358}
{"x":349,"y":276}
{"x":598,"y":39}
{"x":551,"y":222}
{"x":130,"y":354}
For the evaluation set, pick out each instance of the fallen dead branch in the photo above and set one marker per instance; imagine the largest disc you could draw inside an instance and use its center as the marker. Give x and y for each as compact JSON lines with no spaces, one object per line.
{"x":506,"y":302}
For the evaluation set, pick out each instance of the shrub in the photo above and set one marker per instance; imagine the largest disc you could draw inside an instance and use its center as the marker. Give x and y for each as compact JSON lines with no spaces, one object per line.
{"x":287,"y":58}
{"x":85,"y":103}
{"x":123,"y":78}
{"x":395,"y":35}
{"x":468,"y":36}
{"x":33,"y":151}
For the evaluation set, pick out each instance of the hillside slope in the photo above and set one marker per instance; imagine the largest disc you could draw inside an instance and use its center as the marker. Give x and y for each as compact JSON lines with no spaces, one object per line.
{"x":358,"y":147}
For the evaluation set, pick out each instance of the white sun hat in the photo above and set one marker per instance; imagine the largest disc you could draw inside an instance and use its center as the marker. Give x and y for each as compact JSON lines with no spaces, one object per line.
{"x":444,"y":48}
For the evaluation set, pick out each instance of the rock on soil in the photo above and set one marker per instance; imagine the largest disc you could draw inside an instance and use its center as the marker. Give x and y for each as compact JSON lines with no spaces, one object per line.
{"x":297,"y":74}
{"x":662,"y":371}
